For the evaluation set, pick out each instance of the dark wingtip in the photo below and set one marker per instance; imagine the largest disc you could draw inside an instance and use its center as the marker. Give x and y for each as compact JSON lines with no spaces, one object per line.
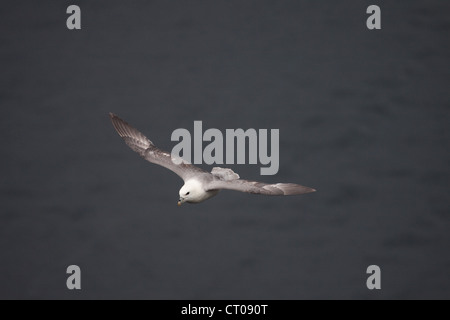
{"x":307,"y":190}
{"x":119,"y":124}
{"x":116,"y":120}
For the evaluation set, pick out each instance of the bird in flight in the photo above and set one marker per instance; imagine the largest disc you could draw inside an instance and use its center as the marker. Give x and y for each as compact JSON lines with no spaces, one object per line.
{"x":199,"y":185}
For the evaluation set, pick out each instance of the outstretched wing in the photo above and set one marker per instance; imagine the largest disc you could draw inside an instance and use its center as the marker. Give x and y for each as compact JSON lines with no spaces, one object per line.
{"x":142,"y":145}
{"x":277,"y":189}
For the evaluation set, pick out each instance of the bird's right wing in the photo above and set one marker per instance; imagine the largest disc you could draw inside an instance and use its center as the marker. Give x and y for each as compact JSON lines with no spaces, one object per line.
{"x":142,"y":145}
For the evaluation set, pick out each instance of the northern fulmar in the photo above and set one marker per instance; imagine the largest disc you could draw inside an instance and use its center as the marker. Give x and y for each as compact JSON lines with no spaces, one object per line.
{"x":199,"y":185}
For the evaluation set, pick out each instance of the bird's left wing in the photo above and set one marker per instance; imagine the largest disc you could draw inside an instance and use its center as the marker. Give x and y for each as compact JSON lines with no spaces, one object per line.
{"x":277,"y":189}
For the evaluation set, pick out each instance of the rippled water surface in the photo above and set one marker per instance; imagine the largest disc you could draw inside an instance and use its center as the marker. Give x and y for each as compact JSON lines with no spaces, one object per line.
{"x":363,"y":117}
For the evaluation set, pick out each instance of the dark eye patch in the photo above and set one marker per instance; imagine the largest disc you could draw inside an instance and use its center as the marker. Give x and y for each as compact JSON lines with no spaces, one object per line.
{"x":187,"y":193}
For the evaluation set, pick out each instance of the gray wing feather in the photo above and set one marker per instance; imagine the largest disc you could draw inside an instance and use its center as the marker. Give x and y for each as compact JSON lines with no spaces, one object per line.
{"x":146,"y":149}
{"x":277,"y":189}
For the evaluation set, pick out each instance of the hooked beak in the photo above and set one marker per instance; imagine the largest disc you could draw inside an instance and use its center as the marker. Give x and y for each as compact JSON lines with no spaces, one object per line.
{"x":180,"y":202}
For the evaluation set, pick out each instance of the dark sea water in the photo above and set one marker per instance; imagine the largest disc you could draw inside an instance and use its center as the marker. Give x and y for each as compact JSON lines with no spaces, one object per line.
{"x":363,"y":118}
